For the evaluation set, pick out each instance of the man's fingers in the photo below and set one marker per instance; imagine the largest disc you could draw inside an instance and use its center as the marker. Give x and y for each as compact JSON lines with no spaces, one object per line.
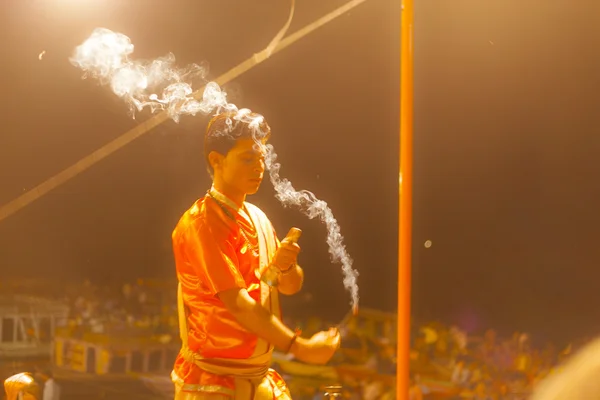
{"x":292,"y":247}
{"x":287,"y":254}
{"x":289,"y":248}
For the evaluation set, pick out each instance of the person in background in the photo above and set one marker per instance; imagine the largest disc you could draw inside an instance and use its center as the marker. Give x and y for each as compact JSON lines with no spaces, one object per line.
{"x":578,"y":378}
{"x":51,"y":390}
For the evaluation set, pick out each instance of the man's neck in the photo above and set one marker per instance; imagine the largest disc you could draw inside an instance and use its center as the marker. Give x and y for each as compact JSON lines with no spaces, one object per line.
{"x":236,"y":197}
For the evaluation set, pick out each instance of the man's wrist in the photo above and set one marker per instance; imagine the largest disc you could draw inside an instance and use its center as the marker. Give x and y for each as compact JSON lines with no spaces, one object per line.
{"x":293,"y":339}
{"x":291,"y":280}
{"x":297,"y":346}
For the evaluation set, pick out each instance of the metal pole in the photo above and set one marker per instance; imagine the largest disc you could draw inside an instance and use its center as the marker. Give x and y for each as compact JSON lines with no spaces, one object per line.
{"x":405,"y":200}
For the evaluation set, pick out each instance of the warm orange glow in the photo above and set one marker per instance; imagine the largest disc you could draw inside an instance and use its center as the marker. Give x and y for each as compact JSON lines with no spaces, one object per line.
{"x":405,"y":200}
{"x":80,"y":166}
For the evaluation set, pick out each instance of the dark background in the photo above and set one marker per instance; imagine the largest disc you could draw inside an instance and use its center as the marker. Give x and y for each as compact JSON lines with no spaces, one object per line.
{"x":506,"y":145}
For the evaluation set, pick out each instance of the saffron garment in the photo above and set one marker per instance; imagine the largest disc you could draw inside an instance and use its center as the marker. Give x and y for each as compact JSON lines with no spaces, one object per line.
{"x":219,"y":246}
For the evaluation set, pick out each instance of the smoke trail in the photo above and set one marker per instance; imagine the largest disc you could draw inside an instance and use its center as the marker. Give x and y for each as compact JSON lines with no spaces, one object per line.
{"x":157,"y":84}
{"x":105,"y":57}
{"x":312,"y":208}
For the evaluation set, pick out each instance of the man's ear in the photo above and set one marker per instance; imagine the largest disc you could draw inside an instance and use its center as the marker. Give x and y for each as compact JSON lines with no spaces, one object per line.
{"x":215,"y":159}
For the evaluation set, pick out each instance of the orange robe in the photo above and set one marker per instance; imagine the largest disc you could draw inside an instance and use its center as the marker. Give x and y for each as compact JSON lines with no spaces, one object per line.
{"x":214,"y":253}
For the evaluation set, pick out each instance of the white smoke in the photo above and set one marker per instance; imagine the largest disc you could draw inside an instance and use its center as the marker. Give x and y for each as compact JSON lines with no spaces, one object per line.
{"x":157,"y":84}
{"x":313,"y":208}
{"x":160,"y":86}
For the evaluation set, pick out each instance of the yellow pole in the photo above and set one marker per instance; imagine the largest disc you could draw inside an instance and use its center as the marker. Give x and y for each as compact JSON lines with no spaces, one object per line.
{"x":405,"y":199}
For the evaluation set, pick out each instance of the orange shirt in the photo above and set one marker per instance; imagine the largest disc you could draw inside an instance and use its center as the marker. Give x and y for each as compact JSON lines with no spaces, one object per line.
{"x":214,"y":253}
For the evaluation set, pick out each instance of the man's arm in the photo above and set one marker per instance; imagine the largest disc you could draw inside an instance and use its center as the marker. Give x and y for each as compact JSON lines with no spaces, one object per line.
{"x":255,"y":318}
{"x":290,"y":282}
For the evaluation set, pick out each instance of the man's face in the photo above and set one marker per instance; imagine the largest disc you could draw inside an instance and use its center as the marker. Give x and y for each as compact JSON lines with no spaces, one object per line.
{"x":242,"y":169}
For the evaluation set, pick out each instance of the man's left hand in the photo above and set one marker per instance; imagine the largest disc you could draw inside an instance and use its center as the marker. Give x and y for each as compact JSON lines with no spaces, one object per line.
{"x":286,"y":255}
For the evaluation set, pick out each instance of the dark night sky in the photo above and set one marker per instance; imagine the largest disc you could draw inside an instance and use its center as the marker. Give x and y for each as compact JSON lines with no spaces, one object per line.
{"x":506,"y":142}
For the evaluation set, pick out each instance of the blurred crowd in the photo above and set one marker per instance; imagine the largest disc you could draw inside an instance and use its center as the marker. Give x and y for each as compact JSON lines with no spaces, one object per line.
{"x":144,"y":305}
{"x":140,"y":306}
{"x":446,"y":362}
{"x":486,"y":367}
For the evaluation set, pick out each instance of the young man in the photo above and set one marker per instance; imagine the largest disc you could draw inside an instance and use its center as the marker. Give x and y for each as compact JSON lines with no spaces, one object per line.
{"x":229,"y":318}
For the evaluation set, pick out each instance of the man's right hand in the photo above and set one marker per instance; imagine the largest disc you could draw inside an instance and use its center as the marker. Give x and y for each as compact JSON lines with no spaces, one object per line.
{"x":319,"y":348}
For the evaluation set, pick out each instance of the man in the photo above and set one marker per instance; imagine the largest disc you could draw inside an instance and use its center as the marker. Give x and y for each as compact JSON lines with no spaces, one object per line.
{"x":229,"y":318}
{"x":21,"y":387}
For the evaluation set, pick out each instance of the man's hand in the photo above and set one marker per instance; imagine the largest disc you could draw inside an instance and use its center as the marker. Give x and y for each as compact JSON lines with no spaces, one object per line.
{"x":287,"y":253}
{"x":319,"y":349}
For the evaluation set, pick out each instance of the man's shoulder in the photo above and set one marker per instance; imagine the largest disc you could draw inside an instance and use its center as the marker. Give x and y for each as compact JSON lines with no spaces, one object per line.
{"x":203,"y":215}
{"x":193,"y":216}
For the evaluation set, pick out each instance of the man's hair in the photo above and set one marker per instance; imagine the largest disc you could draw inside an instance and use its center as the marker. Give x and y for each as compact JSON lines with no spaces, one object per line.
{"x":225,"y":129}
